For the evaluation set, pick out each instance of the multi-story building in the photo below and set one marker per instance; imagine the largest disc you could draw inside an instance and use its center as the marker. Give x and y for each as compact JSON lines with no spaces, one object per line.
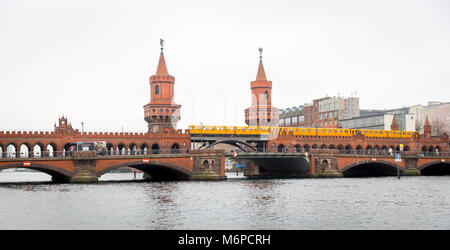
{"x":324,"y":112}
{"x":438,"y":114}
{"x":294,"y":117}
{"x":381,"y":120}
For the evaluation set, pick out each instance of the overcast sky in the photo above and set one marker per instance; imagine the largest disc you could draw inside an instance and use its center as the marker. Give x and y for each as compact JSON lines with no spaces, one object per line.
{"x":91,"y":60}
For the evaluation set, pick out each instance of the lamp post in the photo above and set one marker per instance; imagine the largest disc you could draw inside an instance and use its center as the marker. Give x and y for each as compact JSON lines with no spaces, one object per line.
{"x":201,"y":136}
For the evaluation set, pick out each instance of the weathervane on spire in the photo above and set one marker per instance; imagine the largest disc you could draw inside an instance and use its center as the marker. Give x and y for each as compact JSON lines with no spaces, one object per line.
{"x":260,"y":53}
{"x":161,"y":42}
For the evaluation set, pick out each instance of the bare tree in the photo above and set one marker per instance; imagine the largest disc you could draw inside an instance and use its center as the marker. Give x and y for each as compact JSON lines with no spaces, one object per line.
{"x":438,"y":127}
{"x":418,"y":126}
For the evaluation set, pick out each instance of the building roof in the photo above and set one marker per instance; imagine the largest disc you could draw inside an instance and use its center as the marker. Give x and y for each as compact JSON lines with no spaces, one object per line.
{"x":162,"y":68}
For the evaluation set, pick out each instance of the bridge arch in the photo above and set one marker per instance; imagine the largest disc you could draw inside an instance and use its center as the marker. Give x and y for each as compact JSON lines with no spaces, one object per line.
{"x":155,"y":148}
{"x":24,"y":150}
{"x":38,"y":152}
{"x":359,"y":149}
{"x":281,"y":148}
{"x":368,"y":168}
{"x":175,"y":148}
{"x":58,"y":174}
{"x":156,"y":169}
{"x":132,"y":150}
{"x":51,"y":149}
{"x":12,"y":150}
{"x":348,"y":149}
{"x":435,"y":168}
{"x":235,"y":143}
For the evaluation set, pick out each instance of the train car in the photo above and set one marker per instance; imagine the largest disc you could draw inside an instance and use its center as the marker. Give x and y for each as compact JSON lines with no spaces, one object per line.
{"x":295,"y":131}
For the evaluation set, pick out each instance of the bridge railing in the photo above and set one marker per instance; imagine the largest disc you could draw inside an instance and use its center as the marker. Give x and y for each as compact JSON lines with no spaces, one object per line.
{"x":368,"y":153}
{"x":62,"y":154}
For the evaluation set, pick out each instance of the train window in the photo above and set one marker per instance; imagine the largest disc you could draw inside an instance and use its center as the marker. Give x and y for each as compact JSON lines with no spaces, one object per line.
{"x":330,"y":131}
{"x":341,"y":131}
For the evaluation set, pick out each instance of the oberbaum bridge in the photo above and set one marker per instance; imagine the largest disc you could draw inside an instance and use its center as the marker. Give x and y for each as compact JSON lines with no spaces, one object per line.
{"x":268,"y":151}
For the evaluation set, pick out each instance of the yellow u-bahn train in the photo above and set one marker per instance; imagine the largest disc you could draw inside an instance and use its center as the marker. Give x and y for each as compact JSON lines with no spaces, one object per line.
{"x":253,"y":131}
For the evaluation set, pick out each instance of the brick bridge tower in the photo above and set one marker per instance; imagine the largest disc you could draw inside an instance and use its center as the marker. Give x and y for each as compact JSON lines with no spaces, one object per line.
{"x":261,"y":112}
{"x":162,"y":113}
{"x":394,"y":124}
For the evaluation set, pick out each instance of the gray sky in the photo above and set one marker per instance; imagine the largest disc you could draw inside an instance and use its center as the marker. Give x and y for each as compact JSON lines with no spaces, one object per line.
{"x":91,"y":60}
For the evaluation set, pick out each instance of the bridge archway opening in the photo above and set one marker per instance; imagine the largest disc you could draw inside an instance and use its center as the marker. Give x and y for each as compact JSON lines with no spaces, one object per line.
{"x":11,"y":150}
{"x":332,"y":146}
{"x":153,"y":170}
{"x":323,"y":146}
{"x":324,"y":165}
{"x":121,"y":148}
{"x":376,"y":149}
{"x":436,"y":169}
{"x":25,"y":150}
{"x":369,"y":149}
{"x":359,"y":149}
{"x":244,"y":146}
{"x":51,"y":149}
{"x":144,"y":148}
{"x":1,"y":151}
{"x":348,"y":149}
{"x":69,"y":148}
{"x":260,"y":146}
{"x":109,"y":148}
{"x":298,"y":148}
{"x":306,"y":147}
{"x":155,"y":148}
{"x":340,"y":148}
{"x":44,"y":173}
{"x":133,"y":149}
{"x":281,"y":148}
{"x":437,"y":150}
{"x":175,"y":148}
{"x":38,"y":150}
{"x":371,"y":169}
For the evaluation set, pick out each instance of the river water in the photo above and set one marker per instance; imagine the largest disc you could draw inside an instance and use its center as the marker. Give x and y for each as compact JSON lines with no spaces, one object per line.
{"x":238,"y":203}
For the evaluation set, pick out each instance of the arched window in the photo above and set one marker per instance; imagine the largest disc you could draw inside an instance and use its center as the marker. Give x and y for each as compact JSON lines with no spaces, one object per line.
{"x":157,"y":90}
{"x":266,"y":95}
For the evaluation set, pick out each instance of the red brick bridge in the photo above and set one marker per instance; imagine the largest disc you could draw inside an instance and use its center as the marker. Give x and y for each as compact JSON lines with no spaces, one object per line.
{"x":332,"y":163}
{"x":89,"y":166}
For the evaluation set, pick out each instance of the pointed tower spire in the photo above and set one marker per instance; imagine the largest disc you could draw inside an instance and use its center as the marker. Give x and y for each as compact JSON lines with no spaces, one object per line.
{"x":427,"y":128}
{"x":394,"y":124}
{"x":162,"y":68}
{"x":261,"y":75}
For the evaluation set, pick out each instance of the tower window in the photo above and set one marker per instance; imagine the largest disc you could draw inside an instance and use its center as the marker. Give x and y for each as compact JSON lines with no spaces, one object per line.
{"x":266,"y":95}
{"x":157,"y":90}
